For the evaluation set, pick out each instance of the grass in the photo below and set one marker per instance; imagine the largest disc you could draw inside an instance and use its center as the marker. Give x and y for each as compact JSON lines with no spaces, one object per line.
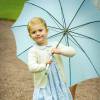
{"x":10,"y":9}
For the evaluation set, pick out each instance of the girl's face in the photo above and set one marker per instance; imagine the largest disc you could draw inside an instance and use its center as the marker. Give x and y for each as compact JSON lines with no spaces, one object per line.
{"x":39,"y":33}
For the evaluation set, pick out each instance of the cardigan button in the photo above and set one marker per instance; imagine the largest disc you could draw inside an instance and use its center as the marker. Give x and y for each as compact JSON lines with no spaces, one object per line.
{"x":46,"y":73}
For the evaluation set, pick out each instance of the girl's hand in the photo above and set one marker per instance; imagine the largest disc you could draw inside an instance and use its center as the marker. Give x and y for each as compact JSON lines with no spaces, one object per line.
{"x":56,"y":51}
{"x":69,"y":51}
{"x":49,"y":62}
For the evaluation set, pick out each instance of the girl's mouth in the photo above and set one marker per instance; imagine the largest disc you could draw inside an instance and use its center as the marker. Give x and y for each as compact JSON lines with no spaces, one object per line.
{"x":39,"y":37}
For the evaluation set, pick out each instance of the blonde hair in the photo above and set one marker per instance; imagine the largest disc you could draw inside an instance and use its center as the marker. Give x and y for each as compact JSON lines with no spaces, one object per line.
{"x":34,"y":21}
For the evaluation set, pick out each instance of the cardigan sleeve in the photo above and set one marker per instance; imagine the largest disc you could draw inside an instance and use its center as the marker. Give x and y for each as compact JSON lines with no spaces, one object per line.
{"x":32,"y":62}
{"x":67,"y":50}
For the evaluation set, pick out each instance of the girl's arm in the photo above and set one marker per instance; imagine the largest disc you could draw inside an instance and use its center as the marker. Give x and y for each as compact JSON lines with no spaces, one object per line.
{"x":33,"y":64}
{"x":64,"y":50}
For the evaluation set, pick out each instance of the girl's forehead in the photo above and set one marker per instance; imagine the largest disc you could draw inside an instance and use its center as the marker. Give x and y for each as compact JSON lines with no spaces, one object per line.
{"x":37,"y":26}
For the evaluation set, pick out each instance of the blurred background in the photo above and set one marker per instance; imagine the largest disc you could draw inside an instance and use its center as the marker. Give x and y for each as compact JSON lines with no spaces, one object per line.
{"x":10,"y":9}
{"x":15,"y":79}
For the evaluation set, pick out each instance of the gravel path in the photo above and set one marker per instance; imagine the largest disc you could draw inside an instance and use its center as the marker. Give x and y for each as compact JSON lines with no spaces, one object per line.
{"x":15,"y":79}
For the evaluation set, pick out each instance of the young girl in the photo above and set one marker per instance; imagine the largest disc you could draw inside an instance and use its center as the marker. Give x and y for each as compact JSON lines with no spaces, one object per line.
{"x":48,"y":74}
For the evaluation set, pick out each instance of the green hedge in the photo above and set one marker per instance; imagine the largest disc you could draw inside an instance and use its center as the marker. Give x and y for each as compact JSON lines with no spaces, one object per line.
{"x":10,"y":9}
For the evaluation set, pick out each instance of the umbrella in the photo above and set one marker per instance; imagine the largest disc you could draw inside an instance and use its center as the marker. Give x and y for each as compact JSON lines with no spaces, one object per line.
{"x":71,"y":22}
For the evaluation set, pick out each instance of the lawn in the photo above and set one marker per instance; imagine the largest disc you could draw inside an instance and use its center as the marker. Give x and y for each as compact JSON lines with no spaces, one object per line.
{"x":10,"y":9}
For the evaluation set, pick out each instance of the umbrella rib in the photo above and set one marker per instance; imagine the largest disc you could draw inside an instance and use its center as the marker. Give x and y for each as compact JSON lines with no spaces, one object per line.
{"x":85,"y":36}
{"x":59,"y":78}
{"x":85,"y":55}
{"x":73,"y":41}
{"x":66,"y":40}
{"x":24,"y":51}
{"x":69,"y":60}
{"x":47,"y":13}
{"x":70,"y":71}
{"x":63,"y":17}
{"x":56,"y":34}
{"x":55,"y":22}
{"x":55,"y":27}
{"x":26,"y":25}
{"x":78,"y":36}
{"x":76,"y":13}
{"x":18,"y":26}
{"x":85,"y":24}
{"x":60,"y":40}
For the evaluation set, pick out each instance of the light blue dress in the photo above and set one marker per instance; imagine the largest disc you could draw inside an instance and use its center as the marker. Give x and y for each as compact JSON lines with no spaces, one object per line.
{"x":56,"y":89}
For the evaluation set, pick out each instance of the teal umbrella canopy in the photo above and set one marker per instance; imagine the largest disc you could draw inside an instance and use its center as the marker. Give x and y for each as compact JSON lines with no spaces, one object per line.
{"x":74,"y":23}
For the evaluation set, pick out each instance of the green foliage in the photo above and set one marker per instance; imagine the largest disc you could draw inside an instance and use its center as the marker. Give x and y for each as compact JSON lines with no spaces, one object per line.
{"x":10,"y":9}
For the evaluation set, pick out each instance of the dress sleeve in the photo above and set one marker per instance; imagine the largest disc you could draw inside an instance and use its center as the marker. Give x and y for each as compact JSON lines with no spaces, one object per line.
{"x":33,"y":64}
{"x":67,"y":50}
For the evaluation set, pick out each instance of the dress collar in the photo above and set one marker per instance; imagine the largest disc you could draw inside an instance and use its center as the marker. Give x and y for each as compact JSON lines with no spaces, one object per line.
{"x":44,"y":46}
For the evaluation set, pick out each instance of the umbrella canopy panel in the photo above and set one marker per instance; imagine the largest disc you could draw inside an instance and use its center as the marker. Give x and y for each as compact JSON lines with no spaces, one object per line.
{"x":72,"y":22}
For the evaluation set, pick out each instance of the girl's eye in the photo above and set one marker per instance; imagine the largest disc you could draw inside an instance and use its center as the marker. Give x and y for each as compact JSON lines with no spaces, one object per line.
{"x":33,"y":32}
{"x":40,"y":30}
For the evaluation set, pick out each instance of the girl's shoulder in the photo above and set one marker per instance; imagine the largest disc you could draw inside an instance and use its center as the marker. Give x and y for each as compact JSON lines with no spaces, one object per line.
{"x":32,"y":48}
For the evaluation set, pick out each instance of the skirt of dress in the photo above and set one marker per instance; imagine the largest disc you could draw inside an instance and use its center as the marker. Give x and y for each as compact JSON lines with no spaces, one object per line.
{"x":56,"y":89}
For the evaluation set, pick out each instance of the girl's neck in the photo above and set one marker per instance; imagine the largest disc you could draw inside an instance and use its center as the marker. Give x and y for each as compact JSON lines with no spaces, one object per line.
{"x":43,"y":43}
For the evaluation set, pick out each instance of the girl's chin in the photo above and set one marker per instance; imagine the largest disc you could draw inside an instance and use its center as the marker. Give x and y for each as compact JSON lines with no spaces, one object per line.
{"x":40,"y":41}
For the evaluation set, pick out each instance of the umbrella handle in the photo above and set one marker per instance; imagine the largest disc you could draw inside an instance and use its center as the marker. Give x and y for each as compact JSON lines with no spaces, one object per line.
{"x":47,"y":66}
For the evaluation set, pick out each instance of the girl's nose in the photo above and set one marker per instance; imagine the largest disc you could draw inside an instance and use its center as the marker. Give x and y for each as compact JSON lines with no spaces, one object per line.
{"x":37,"y":33}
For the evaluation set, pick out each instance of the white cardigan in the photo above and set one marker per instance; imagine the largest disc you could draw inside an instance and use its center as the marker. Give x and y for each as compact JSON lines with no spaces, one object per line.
{"x":37,"y":58}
